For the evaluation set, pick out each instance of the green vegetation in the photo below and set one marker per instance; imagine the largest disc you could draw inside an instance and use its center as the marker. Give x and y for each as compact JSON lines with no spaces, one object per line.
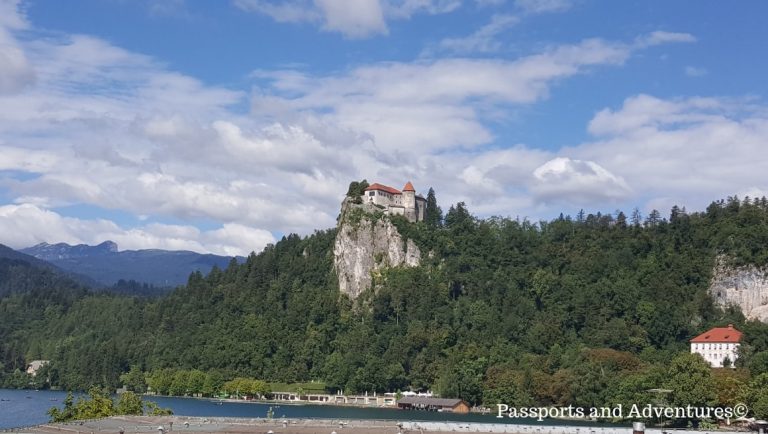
{"x":590,"y":310}
{"x":308,"y":387}
{"x":99,"y":405}
{"x":356,"y":190}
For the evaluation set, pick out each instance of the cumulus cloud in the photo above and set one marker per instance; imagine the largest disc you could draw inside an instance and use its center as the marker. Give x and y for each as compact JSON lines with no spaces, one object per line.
{"x":116,"y":130}
{"x":689,"y":150}
{"x":564,"y":179}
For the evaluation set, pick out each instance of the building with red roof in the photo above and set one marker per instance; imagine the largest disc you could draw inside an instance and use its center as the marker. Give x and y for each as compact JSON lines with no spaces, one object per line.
{"x":393,"y":201}
{"x":719,"y":346}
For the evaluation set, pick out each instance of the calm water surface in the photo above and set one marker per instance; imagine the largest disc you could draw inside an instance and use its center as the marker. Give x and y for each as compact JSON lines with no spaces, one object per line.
{"x":27,"y":407}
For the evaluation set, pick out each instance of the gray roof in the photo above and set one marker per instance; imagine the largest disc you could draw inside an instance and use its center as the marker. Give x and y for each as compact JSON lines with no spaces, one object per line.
{"x":423,"y":400}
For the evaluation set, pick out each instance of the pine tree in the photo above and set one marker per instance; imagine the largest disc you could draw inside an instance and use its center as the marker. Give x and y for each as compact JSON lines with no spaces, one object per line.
{"x":434,"y":215}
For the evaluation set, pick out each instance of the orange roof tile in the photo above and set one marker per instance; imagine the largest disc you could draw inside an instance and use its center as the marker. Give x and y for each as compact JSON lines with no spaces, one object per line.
{"x":382,"y":187}
{"x":719,"y":334}
{"x":409,"y":187}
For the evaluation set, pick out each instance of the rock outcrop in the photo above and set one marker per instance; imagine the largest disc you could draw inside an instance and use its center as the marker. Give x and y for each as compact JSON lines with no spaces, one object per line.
{"x":745,"y":287}
{"x":367,"y":242}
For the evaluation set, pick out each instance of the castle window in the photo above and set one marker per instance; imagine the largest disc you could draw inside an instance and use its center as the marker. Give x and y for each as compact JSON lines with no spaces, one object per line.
{"x":371,"y":193}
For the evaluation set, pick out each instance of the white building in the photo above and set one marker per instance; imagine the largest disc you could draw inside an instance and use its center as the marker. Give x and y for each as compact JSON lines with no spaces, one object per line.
{"x":406,"y":203}
{"x":35,"y":366}
{"x":717,"y":345}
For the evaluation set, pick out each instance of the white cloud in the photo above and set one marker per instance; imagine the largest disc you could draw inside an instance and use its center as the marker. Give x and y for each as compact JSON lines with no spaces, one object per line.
{"x":26,"y":225}
{"x":354,"y":19}
{"x":567,"y":180}
{"x":11,"y":15}
{"x":693,"y":71}
{"x":543,"y":6}
{"x":15,"y":71}
{"x":661,"y":37}
{"x":282,"y":11}
{"x":109,"y":128}
{"x":430,"y":105}
{"x":484,"y":40}
{"x":691,"y":150}
{"x":407,"y":8}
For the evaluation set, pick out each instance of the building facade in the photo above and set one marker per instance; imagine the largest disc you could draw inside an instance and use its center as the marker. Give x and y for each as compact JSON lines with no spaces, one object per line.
{"x":35,"y":366}
{"x":718,"y":346}
{"x":433,"y":404}
{"x":393,"y":201}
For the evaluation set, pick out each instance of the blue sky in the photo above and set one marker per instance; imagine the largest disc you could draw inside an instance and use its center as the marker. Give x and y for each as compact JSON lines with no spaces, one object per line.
{"x":219,"y":126}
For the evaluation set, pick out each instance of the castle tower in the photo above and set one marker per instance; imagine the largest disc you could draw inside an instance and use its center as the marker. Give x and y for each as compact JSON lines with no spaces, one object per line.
{"x":409,"y":202}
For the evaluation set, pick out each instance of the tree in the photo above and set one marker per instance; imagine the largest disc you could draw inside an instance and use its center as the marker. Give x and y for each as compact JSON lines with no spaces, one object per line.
{"x":505,"y":386}
{"x":155,"y":410}
{"x":160,"y":381}
{"x":457,"y":216}
{"x":357,"y":189}
{"x":757,"y":399}
{"x":434,"y":215}
{"x":97,"y":406}
{"x":758,"y":363}
{"x":129,"y":403}
{"x":68,"y":413}
{"x":690,"y":379}
{"x":653,"y":219}
{"x":134,"y":380}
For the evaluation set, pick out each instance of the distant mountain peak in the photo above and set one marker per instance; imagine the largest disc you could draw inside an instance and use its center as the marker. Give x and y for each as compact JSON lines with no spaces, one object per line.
{"x":58,"y":251}
{"x":106,"y":264}
{"x":109,"y":246}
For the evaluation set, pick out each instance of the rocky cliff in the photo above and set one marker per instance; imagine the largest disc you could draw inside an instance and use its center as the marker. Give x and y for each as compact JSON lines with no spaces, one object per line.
{"x":366,"y":242}
{"x":745,"y":287}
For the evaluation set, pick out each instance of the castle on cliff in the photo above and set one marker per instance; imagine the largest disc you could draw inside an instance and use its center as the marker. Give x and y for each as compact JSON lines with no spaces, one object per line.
{"x":406,"y":203}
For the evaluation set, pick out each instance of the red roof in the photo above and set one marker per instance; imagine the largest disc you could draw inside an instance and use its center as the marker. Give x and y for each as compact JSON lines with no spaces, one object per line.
{"x":719,"y":334}
{"x":382,"y":187}
{"x":409,"y":187}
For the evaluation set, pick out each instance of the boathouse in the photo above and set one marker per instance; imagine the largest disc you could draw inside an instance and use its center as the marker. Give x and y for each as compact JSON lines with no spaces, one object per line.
{"x":433,"y":404}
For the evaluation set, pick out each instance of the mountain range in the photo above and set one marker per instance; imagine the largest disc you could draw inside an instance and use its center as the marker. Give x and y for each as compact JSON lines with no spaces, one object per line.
{"x":107,"y":266}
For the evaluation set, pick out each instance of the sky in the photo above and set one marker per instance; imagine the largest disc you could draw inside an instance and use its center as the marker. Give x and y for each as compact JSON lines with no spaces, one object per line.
{"x":220,"y":126}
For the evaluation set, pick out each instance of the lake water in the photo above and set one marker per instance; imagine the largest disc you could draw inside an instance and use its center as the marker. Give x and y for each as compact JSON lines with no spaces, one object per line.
{"x":27,"y":407}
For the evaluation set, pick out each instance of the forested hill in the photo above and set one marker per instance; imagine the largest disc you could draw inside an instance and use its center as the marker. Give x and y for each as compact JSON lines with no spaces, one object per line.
{"x":574,"y":310}
{"x":20,"y":272}
{"x":24,"y":273}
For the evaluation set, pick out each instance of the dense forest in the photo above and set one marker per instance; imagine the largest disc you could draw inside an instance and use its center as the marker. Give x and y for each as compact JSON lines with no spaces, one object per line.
{"x":589,"y":310}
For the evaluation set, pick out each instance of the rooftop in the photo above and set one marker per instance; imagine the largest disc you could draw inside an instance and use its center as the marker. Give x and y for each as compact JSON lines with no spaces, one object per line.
{"x":382,"y":187}
{"x":719,"y":334}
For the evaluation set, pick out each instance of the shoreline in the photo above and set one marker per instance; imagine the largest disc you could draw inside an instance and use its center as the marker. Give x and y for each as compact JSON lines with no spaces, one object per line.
{"x":235,"y":425}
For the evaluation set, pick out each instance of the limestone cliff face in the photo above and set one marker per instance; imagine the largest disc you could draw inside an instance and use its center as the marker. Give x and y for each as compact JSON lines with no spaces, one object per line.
{"x":365,"y":243}
{"x":745,"y":287}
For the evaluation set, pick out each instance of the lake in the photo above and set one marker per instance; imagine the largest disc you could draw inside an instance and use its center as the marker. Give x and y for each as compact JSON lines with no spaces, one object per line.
{"x":28,"y":407}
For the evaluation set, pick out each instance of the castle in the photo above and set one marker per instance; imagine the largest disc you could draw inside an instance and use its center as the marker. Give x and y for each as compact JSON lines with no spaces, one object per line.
{"x":406,"y":203}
